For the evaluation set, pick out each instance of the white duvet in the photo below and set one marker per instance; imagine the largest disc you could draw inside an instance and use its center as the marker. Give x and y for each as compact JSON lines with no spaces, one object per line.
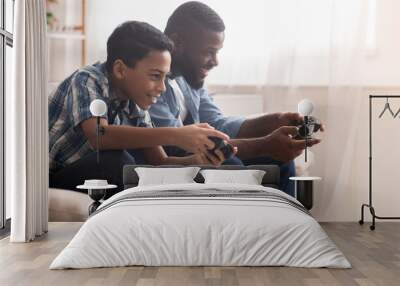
{"x":207,"y":230}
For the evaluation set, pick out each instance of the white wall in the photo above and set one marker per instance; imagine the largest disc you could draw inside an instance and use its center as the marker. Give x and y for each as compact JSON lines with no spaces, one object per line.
{"x":65,"y":54}
{"x":104,"y":16}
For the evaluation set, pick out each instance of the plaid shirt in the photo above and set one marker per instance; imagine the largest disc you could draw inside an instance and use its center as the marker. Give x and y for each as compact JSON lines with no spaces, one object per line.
{"x":69,"y":106}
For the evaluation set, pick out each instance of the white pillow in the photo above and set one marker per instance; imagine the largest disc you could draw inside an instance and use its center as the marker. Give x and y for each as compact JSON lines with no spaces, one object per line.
{"x":163,"y":176}
{"x":248,"y":177}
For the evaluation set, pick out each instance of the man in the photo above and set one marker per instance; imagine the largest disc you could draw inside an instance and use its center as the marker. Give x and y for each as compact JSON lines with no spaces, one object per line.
{"x":198,"y":34}
{"x":132,"y":78}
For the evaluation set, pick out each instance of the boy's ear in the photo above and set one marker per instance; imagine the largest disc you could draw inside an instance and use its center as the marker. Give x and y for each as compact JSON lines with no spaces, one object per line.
{"x":119,"y":69}
{"x":178,"y":42}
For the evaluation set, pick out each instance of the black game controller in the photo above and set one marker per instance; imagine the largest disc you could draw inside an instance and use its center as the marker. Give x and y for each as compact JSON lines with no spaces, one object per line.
{"x":307,"y":128}
{"x":226,"y":149}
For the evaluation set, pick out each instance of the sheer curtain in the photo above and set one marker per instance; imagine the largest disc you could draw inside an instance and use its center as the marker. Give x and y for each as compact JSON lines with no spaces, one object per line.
{"x":333,"y":52}
{"x":26,"y":130}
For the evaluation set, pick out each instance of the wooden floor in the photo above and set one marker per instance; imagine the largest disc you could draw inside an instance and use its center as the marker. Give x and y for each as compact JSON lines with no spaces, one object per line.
{"x":375,"y":257}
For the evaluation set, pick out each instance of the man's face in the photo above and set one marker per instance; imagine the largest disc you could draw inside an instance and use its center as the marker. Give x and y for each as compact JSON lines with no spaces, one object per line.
{"x":198,"y":55}
{"x":144,"y":83}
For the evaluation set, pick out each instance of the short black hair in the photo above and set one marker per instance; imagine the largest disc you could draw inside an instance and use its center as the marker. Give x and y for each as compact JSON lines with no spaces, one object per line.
{"x":132,"y":41}
{"x":191,"y":14}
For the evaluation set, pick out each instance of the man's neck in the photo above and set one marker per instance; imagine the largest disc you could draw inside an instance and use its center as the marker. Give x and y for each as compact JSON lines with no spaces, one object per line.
{"x":176,"y":71}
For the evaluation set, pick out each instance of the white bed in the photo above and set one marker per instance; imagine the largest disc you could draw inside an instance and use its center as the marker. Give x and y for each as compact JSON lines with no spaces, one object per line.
{"x":250,"y":225}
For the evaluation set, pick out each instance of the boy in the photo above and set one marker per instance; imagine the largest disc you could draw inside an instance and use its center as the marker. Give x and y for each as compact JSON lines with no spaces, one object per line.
{"x":130,"y":81}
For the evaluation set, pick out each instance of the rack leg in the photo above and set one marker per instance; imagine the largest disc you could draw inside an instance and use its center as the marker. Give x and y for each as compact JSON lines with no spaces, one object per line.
{"x":372,"y":211}
{"x":361,"y":221}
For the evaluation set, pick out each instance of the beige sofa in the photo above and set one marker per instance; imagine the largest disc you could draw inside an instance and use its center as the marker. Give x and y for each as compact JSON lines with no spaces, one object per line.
{"x":66,"y":205}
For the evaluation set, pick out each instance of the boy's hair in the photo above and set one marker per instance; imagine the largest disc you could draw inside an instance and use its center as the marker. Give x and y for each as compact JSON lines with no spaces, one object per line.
{"x":132,"y":41}
{"x":192,"y":14}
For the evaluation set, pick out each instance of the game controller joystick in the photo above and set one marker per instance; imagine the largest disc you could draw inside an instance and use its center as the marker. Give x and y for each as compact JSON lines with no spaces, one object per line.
{"x":307,"y":128}
{"x":226,"y":149}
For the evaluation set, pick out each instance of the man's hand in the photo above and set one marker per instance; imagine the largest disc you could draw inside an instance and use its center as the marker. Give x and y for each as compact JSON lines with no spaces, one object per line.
{"x":281,"y":146}
{"x":265,"y":124}
{"x":288,"y":119}
{"x":291,"y":119}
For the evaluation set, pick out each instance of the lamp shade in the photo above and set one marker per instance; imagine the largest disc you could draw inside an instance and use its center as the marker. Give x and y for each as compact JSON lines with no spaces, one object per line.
{"x":305,"y":107}
{"x":98,"y":107}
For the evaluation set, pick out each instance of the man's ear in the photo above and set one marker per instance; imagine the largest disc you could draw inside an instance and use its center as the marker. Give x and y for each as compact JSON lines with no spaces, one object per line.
{"x":178,"y":43}
{"x":119,"y":69}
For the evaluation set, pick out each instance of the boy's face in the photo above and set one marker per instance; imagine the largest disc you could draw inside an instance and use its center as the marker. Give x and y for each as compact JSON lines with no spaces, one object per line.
{"x":198,"y":55}
{"x":144,"y":83}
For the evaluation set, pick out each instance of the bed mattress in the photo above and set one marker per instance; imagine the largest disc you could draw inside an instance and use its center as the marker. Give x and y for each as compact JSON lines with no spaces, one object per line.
{"x":201,"y":225}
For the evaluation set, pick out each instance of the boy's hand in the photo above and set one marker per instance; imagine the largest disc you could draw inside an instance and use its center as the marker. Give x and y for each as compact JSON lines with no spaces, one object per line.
{"x":209,"y":159}
{"x":194,"y":138}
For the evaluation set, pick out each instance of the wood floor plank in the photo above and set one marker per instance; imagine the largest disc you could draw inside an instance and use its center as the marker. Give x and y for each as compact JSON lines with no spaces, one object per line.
{"x":374,"y":255}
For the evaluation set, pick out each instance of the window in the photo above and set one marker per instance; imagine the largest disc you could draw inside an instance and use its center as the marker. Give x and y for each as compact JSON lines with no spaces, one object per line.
{"x":6,"y":43}
{"x":9,"y":19}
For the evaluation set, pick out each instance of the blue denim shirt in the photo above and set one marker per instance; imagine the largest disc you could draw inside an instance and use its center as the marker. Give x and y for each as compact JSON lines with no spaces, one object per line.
{"x":200,"y":105}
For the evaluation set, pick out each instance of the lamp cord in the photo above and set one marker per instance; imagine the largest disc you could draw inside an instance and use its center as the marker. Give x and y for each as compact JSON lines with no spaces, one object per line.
{"x":306,"y":129}
{"x":97,"y":140}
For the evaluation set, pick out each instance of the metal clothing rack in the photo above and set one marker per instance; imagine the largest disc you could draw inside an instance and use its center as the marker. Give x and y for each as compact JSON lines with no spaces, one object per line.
{"x":370,"y":205}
